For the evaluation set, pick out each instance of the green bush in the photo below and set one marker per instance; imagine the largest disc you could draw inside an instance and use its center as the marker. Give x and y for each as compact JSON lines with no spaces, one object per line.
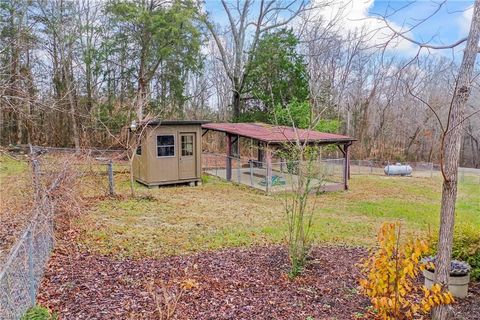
{"x":205,"y":179}
{"x":466,"y":247}
{"x":38,"y":313}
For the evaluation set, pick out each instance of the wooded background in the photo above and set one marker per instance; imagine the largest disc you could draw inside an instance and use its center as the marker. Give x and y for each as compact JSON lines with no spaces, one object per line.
{"x":74,"y":73}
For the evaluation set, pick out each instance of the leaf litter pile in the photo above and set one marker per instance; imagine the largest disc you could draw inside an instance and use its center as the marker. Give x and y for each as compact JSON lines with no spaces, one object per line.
{"x":250,"y":283}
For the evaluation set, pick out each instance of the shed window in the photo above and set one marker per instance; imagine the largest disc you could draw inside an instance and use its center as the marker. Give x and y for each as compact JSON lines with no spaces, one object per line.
{"x":166,"y":146}
{"x":187,"y":145}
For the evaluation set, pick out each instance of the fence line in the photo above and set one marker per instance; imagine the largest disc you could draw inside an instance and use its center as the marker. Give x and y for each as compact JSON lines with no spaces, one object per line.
{"x":23,"y":270}
{"x":420,"y":169}
{"x":331,"y":169}
{"x":279,"y":176}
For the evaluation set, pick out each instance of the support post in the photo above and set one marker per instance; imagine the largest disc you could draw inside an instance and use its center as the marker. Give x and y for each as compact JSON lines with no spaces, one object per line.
{"x":268,"y":159}
{"x":239,"y":170}
{"x":347,"y":156}
{"x":259,"y":154}
{"x":251,"y":173}
{"x":229,"y":158}
{"x":346,"y":168}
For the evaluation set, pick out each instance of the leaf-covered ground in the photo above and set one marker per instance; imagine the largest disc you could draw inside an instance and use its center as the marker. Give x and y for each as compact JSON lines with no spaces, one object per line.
{"x":232,"y":284}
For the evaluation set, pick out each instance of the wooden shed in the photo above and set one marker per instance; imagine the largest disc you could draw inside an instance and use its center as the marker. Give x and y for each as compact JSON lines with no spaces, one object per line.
{"x":169,"y":152}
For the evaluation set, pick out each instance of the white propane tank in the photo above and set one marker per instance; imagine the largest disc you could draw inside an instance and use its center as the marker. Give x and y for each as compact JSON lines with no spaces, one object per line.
{"x":398,"y":169}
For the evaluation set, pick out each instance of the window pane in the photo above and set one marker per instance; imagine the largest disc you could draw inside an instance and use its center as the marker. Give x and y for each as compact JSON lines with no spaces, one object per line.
{"x":166,"y":146}
{"x":165,"y":140}
{"x":166,"y":151}
{"x":187,"y":145}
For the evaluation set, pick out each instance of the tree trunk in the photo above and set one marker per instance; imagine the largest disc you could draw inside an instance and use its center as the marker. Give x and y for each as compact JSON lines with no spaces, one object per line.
{"x":71,"y":101}
{"x":236,"y":104}
{"x":451,"y":157}
{"x":142,"y":83}
{"x":141,"y":99}
{"x":88,"y":84}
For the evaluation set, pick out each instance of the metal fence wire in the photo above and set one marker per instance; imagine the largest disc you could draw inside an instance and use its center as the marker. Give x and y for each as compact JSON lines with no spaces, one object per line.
{"x":253,"y":173}
{"x":277,"y":176}
{"x":22,"y":272}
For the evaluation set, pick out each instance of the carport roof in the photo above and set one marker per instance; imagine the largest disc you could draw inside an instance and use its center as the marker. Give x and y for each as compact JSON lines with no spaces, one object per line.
{"x":156,"y":122}
{"x":276,"y":134}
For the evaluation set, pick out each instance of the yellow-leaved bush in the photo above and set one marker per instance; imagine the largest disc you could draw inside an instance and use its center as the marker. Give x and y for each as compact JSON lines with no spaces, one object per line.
{"x":389,"y":277}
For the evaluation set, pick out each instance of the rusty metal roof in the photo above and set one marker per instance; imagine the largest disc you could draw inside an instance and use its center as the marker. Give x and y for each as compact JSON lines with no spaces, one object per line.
{"x":276,"y":134}
{"x":157,"y":122}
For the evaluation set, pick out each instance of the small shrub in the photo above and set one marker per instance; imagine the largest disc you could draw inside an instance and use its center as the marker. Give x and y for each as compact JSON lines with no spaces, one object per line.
{"x":167,"y":295}
{"x":206,"y":179}
{"x":38,"y":313}
{"x":466,"y":247}
{"x":299,"y":210}
{"x":389,"y":275}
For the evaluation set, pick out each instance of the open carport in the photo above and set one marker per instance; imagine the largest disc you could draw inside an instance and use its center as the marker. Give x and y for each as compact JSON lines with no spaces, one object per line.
{"x":263,"y":168}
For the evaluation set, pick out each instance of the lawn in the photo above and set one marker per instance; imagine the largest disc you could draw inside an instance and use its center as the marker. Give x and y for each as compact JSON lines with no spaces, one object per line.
{"x":179,"y":220}
{"x":116,"y":250}
{"x":15,"y":201}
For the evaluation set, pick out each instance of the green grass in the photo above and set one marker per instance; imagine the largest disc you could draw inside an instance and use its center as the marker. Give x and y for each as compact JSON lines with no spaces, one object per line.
{"x":10,"y":167}
{"x":178,"y":220}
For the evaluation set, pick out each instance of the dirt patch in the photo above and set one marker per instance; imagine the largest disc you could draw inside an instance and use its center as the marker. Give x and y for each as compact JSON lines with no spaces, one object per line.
{"x":233,"y":284}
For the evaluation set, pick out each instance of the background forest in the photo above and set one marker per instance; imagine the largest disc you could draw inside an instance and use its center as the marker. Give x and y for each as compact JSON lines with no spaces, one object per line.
{"x":74,"y":73}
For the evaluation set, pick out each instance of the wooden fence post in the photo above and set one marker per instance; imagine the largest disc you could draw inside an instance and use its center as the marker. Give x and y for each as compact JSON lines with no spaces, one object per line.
{"x":111,"y":188}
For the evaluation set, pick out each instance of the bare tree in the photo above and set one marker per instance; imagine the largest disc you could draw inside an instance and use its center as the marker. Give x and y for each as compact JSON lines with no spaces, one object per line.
{"x":270,"y":14}
{"x":451,"y":142}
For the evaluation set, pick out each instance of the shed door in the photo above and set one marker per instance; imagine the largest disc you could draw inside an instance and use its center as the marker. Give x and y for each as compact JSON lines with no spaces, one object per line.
{"x":187,"y":165}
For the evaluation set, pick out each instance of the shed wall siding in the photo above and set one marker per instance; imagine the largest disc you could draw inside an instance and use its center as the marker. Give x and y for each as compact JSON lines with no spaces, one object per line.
{"x":151,"y":169}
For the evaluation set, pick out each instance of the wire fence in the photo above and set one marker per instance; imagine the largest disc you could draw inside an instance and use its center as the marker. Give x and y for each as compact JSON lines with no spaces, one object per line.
{"x":22,"y":272}
{"x":328,"y":172}
{"x":419,"y":170}
{"x":59,"y":181}
{"x":278,"y":176}
{"x":373,"y":167}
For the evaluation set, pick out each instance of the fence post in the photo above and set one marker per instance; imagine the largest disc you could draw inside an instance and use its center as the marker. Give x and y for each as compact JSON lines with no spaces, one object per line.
{"x":268,"y":158}
{"x":431,"y":169}
{"x":110,"y":178}
{"x":239,"y":169}
{"x":36,"y":178}
{"x":251,"y":173}
{"x":31,"y":277}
